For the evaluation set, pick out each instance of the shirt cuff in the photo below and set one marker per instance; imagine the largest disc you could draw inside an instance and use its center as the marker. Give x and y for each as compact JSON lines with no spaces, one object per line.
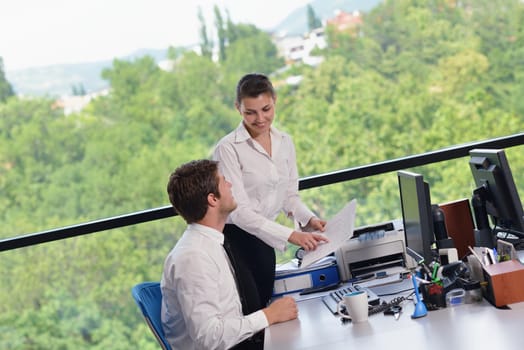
{"x":304,"y":217}
{"x":258,"y":320}
{"x":279,"y":234}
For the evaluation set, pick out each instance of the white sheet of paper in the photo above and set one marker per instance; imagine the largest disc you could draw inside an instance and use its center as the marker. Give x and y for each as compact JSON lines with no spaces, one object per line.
{"x":338,"y":230}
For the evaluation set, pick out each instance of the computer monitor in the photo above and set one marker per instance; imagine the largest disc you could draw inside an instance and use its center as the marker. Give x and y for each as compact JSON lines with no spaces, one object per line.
{"x":415,"y":201}
{"x":496,"y":187}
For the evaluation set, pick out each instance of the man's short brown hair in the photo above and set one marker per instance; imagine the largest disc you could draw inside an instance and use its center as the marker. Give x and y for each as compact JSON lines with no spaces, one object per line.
{"x":188,"y":188}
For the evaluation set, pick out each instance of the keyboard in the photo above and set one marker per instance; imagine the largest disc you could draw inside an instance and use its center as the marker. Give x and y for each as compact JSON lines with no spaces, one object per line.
{"x":331,"y":300}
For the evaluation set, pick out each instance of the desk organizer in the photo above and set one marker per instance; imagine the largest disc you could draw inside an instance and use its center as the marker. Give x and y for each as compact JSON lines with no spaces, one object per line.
{"x":505,"y":281}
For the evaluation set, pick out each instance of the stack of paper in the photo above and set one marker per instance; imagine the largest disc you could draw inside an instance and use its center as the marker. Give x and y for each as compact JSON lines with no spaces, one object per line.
{"x":292,"y":266}
{"x":338,"y":230}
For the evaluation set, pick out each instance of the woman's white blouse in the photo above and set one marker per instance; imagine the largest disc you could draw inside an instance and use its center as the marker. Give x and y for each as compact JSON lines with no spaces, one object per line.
{"x":263,"y":185}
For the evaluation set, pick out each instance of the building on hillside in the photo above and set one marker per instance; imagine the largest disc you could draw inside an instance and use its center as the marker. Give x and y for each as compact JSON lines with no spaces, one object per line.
{"x":74,"y":104}
{"x":345,"y":21}
{"x":300,"y":49}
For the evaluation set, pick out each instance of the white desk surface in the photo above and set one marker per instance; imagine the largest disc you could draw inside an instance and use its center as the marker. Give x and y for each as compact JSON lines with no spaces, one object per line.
{"x":476,"y":326}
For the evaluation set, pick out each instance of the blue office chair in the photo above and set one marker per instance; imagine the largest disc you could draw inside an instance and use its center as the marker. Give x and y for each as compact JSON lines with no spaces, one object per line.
{"x":148,"y":297}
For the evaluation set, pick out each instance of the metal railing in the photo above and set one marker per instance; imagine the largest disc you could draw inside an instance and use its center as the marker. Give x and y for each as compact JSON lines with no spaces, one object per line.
{"x":304,"y":183}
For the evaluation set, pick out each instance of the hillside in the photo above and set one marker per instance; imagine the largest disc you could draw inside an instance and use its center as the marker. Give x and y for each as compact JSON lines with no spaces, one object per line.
{"x":59,"y":80}
{"x":296,"y":22}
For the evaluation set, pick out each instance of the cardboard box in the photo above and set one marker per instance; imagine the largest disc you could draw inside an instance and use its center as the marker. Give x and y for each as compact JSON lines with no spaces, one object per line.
{"x":505,"y":283}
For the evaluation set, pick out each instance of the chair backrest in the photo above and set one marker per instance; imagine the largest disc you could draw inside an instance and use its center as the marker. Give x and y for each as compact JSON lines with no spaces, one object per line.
{"x":148,"y":297}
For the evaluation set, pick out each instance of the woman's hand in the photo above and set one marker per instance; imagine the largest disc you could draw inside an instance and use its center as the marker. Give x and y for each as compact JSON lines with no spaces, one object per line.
{"x":315,"y":224}
{"x":307,"y":240}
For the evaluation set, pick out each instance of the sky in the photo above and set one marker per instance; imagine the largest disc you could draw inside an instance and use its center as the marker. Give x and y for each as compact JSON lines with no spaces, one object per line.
{"x":43,"y":32}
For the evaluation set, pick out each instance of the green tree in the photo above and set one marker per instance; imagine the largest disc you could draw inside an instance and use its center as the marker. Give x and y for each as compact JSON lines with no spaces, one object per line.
{"x":135,"y":93}
{"x":199,"y":94}
{"x":498,"y":26}
{"x":416,"y":34}
{"x":6,"y":90}
{"x":206,"y":45}
{"x":253,"y":51}
{"x":313,"y":22}
{"x":231,"y":29}
{"x":78,"y":89}
{"x":221,"y":33}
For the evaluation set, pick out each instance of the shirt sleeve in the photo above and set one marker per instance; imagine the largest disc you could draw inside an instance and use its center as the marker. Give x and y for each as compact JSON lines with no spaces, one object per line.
{"x":202,"y":306}
{"x":293,"y":204}
{"x":269,"y":231}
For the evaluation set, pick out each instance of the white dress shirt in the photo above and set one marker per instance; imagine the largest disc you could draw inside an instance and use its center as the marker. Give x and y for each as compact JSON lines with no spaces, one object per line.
{"x":201,"y":307}
{"x":263,"y":185}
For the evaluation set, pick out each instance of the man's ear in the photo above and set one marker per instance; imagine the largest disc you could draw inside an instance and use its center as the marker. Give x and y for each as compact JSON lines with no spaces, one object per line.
{"x":212,"y":200}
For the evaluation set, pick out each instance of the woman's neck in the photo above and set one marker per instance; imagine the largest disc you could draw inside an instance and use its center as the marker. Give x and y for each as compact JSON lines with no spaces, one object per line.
{"x":264,"y":140}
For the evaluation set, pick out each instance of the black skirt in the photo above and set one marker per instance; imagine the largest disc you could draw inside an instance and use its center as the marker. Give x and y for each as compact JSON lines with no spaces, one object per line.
{"x":254,"y":265}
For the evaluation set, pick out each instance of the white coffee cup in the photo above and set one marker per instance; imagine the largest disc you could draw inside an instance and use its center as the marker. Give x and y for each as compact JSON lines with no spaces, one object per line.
{"x":356,"y":304}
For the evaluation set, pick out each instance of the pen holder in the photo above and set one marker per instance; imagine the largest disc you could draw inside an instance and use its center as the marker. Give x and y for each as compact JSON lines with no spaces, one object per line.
{"x":434,"y":296}
{"x":504,"y":283}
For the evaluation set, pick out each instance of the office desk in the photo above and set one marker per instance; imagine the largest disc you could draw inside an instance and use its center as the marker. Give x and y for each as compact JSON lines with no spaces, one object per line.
{"x":469,"y":326}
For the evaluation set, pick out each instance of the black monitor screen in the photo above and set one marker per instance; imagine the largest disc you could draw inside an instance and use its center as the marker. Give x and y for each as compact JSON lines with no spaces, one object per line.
{"x":493,"y":177}
{"x":416,"y":214}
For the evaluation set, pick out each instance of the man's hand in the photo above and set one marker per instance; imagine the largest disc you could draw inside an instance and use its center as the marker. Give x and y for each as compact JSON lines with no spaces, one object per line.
{"x":307,"y":240}
{"x":281,"y":310}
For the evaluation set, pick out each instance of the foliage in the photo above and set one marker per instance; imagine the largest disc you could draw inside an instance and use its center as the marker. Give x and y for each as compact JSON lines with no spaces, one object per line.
{"x":221,"y":33}
{"x":416,"y":76}
{"x":206,"y":45}
{"x":313,"y":22}
{"x":6,"y":90}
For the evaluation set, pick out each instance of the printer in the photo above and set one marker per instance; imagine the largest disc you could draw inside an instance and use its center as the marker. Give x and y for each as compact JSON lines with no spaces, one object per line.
{"x":379,"y":247}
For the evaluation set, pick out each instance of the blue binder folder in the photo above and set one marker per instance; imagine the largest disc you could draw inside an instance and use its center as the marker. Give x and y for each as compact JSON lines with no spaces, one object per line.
{"x":295,"y":280}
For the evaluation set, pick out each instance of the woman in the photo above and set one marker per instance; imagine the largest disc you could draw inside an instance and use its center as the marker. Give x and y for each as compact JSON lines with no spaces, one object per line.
{"x":260,"y":162}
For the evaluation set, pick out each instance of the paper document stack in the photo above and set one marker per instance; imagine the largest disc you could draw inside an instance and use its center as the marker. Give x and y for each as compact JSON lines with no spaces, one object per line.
{"x":318,"y":267}
{"x":338,"y":230}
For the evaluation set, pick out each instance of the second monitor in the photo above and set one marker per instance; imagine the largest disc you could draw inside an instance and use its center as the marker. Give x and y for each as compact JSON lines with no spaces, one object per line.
{"x":496,"y":194}
{"x":415,"y":201}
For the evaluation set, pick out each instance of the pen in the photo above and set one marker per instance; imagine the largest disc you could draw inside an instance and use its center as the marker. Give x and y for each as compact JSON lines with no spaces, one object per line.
{"x":495,"y":256}
{"x":360,"y":278}
{"x":422,"y":280}
{"x":434,"y":274}
{"x":319,"y":289}
{"x":426,"y":269}
{"x":490,"y":254}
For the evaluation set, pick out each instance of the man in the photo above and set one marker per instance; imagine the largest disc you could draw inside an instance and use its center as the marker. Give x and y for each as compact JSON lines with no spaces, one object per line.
{"x":201,"y":307}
